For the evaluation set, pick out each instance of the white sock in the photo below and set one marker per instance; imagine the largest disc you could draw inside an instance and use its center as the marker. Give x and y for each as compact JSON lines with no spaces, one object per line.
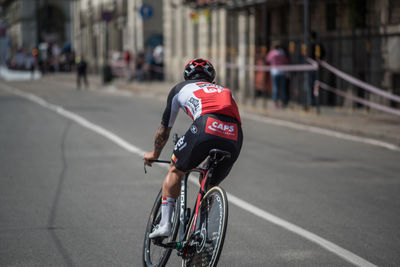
{"x":167,"y":206}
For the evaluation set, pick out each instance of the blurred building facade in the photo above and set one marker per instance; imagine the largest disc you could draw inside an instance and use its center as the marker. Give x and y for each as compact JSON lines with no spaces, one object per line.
{"x":31,"y":22}
{"x":360,"y":37}
{"x":132,"y":25}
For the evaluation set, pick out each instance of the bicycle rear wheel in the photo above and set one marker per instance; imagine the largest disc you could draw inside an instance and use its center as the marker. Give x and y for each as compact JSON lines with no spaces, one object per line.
{"x":207,"y":240}
{"x":154,"y":255}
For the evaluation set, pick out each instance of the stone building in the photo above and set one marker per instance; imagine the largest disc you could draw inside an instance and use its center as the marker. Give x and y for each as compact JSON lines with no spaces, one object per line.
{"x":360,"y":37}
{"x":133,"y":25}
{"x":30,"y":22}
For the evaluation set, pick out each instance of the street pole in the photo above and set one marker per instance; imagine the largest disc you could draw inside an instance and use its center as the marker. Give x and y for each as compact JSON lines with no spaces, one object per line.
{"x":306,"y":53}
{"x":37,"y":23}
{"x":106,"y":68}
{"x":266,"y":46}
{"x":107,"y":43}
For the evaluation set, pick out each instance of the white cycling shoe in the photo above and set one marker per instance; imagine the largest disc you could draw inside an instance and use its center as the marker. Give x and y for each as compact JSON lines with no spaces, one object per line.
{"x":161,"y":231}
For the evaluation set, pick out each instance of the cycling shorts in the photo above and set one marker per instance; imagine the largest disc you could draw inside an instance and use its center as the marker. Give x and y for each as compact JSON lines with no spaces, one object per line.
{"x":208,"y":132}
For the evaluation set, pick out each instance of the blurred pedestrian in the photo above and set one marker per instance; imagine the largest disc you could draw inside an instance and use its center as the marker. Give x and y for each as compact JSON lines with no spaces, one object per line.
{"x":71,"y":59}
{"x":81,"y":67}
{"x":19,"y":59}
{"x":158,"y":58}
{"x":259,"y":77}
{"x":35,"y":54}
{"x":55,"y":52}
{"x":148,"y":65}
{"x":277,"y":57}
{"x":30,"y":65}
{"x":317,"y":52}
{"x":139,"y":66}
{"x":127,"y":60}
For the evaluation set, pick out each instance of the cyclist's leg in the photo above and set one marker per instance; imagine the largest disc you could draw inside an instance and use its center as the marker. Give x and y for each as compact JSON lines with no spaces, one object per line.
{"x":183,"y":159}
{"x":189,"y":151}
{"x":170,"y":192}
{"x":231,"y":145}
{"x":153,"y":254}
{"x":172,"y":182}
{"x":220,"y":173}
{"x":224,"y":167}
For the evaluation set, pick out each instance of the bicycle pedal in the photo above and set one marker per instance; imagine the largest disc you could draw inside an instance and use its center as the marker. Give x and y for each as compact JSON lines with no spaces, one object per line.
{"x":158,"y":240}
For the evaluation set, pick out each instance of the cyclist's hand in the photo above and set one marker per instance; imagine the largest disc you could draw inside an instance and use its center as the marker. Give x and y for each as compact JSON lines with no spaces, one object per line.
{"x":148,"y":157}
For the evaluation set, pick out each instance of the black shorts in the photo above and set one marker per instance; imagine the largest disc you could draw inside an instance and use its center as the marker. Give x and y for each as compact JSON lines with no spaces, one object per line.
{"x":207,"y":132}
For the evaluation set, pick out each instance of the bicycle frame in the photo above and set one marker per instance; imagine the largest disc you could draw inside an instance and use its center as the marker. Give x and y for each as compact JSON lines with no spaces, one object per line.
{"x":205,"y":173}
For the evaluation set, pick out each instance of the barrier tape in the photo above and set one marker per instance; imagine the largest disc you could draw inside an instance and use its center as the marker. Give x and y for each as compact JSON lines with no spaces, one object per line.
{"x":358,"y":82}
{"x":318,"y":84}
{"x":313,"y":66}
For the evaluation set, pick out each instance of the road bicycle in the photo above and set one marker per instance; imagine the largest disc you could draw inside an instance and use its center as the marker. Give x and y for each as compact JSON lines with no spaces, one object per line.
{"x":201,"y":232}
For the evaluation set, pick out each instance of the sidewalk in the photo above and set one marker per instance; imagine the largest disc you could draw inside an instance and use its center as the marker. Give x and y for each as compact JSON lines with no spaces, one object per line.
{"x":374,"y":124}
{"x":18,"y":75}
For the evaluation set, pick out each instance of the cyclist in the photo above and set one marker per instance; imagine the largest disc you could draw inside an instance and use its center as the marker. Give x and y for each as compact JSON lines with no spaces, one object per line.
{"x":216,"y":124}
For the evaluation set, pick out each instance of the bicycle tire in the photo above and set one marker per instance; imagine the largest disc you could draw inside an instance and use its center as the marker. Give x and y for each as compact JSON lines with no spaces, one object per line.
{"x":154,"y":255}
{"x":215,"y":205}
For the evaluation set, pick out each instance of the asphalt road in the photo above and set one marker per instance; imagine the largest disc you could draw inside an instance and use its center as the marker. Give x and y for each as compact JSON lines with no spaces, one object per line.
{"x":72,"y":197}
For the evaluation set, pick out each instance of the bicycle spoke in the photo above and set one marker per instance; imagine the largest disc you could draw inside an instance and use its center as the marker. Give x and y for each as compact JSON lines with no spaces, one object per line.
{"x":154,"y":254}
{"x":210,"y":230}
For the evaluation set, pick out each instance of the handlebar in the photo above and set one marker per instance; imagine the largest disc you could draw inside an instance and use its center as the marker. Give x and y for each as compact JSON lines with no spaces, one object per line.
{"x":156,"y":161}
{"x":160,"y":161}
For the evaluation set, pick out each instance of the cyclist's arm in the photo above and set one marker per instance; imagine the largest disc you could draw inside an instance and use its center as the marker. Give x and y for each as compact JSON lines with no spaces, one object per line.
{"x":167,"y":121}
{"x":160,"y":139}
{"x":172,"y":107}
{"x":162,"y":133}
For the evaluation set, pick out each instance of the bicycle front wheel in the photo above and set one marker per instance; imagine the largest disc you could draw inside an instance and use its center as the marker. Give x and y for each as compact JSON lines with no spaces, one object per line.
{"x":207,"y":238}
{"x":154,"y":255}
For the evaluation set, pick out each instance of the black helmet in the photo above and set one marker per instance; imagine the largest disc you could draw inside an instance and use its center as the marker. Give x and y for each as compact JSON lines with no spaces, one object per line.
{"x":199,"y":69}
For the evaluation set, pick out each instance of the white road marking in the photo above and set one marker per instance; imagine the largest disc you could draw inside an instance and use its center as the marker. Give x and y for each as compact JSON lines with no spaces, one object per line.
{"x":78,"y":119}
{"x":339,"y":251}
{"x":313,"y":129}
{"x":343,"y":253}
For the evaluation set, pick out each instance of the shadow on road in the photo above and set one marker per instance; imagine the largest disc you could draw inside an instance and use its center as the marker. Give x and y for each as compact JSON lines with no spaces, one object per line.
{"x":51,"y":227}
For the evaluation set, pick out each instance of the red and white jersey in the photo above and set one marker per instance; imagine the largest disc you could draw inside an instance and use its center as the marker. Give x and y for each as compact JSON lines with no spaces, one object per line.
{"x":197,"y":98}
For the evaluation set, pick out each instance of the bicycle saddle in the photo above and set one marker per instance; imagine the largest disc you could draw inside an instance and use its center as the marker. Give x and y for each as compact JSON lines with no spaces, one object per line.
{"x":219,"y":154}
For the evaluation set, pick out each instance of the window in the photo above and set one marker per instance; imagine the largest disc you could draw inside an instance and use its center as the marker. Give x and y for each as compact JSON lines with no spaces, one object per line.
{"x":357,"y":13}
{"x":284,"y":19}
{"x":394,"y":12}
{"x":330,"y":16}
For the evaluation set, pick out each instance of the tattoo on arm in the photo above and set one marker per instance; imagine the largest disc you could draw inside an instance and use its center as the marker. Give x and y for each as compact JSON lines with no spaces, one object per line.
{"x":161,"y":139}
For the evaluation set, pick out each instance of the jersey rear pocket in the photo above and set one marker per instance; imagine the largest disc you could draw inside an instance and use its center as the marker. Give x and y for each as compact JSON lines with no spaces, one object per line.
{"x":222,"y":129}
